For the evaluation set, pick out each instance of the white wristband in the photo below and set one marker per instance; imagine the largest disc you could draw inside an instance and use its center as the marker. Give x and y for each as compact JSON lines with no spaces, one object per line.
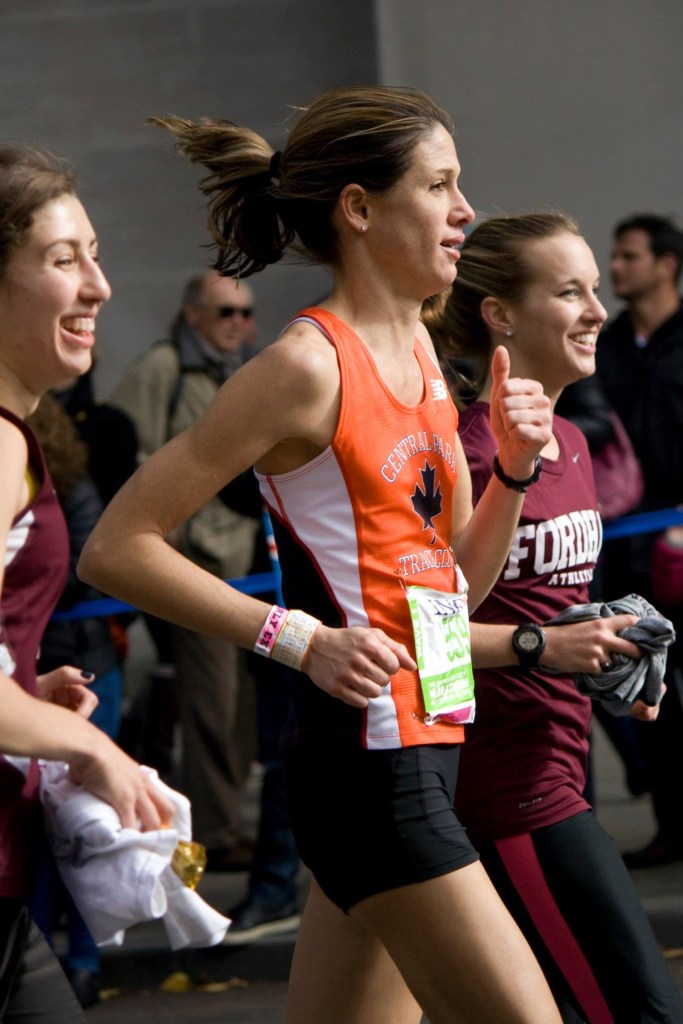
{"x":294,"y":639}
{"x":286,"y":636}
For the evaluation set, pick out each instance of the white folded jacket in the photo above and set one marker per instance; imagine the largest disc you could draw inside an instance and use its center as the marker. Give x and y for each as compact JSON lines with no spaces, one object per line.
{"x":119,"y":876}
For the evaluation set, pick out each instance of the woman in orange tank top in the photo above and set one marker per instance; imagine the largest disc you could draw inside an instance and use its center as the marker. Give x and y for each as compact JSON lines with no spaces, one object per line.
{"x":348,"y":423}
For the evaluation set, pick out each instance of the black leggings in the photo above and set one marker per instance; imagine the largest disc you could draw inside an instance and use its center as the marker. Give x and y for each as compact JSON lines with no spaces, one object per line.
{"x":33,"y":987}
{"x":568,"y":889}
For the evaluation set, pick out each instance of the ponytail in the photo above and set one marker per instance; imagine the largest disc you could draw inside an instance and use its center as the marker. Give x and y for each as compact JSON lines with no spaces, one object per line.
{"x":243,"y":207}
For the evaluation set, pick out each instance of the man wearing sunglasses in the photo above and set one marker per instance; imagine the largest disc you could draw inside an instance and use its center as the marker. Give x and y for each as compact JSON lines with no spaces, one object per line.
{"x":220,"y":311}
{"x":164,"y":391}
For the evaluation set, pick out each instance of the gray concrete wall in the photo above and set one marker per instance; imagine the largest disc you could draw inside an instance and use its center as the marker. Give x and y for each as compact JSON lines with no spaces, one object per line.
{"x":577,"y":105}
{"x":81,"y":76}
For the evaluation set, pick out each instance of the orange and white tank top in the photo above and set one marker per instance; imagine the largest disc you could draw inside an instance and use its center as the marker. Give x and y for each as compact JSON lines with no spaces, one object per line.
{"x":369,"y":516}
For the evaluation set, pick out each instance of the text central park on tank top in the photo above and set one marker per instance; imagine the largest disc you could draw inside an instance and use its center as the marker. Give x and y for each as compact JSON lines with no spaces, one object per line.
{"x":416,"y":444}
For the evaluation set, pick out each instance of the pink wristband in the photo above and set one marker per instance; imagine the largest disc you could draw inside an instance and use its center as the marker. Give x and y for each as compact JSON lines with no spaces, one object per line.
{"x":275,"y":620}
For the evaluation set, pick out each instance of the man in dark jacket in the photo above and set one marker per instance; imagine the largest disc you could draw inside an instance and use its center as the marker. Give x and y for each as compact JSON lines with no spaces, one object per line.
{"x":640,"y":366}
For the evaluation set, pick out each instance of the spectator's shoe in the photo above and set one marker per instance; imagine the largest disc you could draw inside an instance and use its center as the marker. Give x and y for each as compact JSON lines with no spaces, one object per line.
{"x":86,"y":986}
{"x":239,"y":857}
{"x":659,"y":851}
{"x":252,"y":921}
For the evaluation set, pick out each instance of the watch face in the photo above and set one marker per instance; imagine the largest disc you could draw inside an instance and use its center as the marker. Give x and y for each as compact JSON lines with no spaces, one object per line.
{"x":528,"y":641}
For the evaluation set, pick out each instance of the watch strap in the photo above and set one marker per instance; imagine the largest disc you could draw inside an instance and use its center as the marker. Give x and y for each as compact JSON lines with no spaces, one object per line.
{"x":517,"y":485}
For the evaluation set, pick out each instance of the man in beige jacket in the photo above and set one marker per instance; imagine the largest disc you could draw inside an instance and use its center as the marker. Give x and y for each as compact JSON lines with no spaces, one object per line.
{"x":164,"y":391}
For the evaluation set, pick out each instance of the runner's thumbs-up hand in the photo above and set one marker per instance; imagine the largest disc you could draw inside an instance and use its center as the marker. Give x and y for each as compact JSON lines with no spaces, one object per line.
{"x":521,"y":417}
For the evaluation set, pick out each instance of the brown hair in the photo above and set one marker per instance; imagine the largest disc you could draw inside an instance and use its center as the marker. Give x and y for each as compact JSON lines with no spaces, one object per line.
{"x":663,"y":233}
{"x":260,"y":202}
{"x":492,"y":263}
{"x":65,"y":454}
{"x":29,"y":178}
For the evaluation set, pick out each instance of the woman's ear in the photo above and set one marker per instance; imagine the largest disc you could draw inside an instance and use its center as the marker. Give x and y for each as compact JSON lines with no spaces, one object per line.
{"x":496,"y":315}
{"x":353,"y":207}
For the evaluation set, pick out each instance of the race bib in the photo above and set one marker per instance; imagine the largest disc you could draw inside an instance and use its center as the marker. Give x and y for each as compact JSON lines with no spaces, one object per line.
{"x":443,"y":651}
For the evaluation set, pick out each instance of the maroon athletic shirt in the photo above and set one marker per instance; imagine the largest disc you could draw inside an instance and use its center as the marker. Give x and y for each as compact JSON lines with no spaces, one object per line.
{"x":35,"y":571}
{"x":524,"y":759}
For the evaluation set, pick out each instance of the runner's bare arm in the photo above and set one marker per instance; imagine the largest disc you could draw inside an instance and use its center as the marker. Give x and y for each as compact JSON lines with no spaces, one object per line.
{"x":521,"y":420}
{"x":277,"y":412}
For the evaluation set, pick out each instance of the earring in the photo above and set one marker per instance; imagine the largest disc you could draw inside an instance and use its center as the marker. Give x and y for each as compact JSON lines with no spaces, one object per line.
{"x":509,"y":334}
{"x":364,"y":228}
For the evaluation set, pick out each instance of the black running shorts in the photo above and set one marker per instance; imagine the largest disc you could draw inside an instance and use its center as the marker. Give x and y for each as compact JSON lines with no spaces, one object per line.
{"x":366,"y":821}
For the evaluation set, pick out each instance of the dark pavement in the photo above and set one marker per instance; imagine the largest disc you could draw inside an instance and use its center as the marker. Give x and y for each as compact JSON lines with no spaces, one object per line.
{"x":248,"y":984}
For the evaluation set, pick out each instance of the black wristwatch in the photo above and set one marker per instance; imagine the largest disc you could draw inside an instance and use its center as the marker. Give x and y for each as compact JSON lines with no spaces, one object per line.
{"x":517,"y":485}
{"x":528,"y":643}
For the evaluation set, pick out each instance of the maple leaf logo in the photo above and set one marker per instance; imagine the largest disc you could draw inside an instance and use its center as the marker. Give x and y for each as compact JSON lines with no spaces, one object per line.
{"x":427,"y":502}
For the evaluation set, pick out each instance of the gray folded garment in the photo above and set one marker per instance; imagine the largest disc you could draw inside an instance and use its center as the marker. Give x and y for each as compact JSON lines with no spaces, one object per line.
{"x":626,"y":680}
